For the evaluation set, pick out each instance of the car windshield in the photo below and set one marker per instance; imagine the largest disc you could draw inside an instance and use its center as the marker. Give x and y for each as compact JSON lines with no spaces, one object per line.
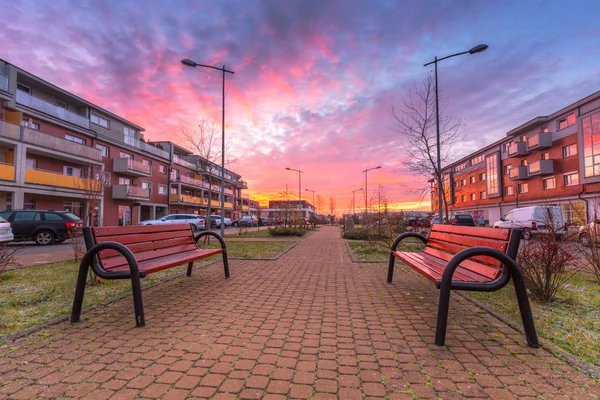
{"x":72,"y":217}
{"x":3,"y":220}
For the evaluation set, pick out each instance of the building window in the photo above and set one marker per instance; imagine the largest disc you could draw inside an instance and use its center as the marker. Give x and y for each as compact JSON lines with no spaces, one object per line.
{"x":162,"y":189}
{"x":125,"y":155}
{"x":524,"y":163}
{"x":472,"y":179}
{"x":478,"y":159}
{"x":71,"y":171}
{"x":146,"y":162}
{"x":482,"y":195}
{"x":455,"y":200}
{"x":162,"y":169}
{"x":173,"y":190}
{"x":29,"y":204}
{"x":506,"y":147}
{"x":103,"y":122}
{"x":61,"y":104}
{"x":129,"y":136}
{"x":124,"y":216}
{"x":491,"y":175}
{"x":456,"y":184}
{"x":570,"y":150}
{"x":30,"y":163}
{"x":106,"y":179}
{"x":549,"y":183}
{"x":75,"y":139}
{"x":572,"y":179}
{"x":507,"y":169}
{"x":509,"y":191}
{"x":591,"y":151}
{"x":545,"y":156}
{"x":460,"y":167}
{"x":523,"y":187}
{"x":30,"y":124}
{"x":473,"y":196}
{"x":105,"y":151}
{"x":147,"y":185}
{"x":545,"y":129}
{"x":482,"y":176}
{"x":566,"y":121}
{"x":125,"y":181}
{"x":524,"y":139}
{"x":463,"y":182}
{"x":23,"y":88}
{"x":174,"y":174}
{"x":464,"y":198}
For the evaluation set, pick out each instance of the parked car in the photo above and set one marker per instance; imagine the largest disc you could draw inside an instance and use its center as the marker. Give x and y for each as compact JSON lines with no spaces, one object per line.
{"x":436,"y":220}
{"x":215,"y":221}
{"x":218,"y":218}
{"x":6,"y":233}
{"x":197,"y":221}
{"x":534,"y":219}
{"x":589,"y":234}
{"x":246,"y":221}
{"x":462,"y":220}
{"x":43,"y":226}
{"x":264,"y":221}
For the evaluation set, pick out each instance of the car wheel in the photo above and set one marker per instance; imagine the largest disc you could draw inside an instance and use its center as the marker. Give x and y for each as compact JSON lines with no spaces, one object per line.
{"x":44,"y":237}
{"x":585,"y":239}
{"x":526,"y":234}
{"x":194,"y":228}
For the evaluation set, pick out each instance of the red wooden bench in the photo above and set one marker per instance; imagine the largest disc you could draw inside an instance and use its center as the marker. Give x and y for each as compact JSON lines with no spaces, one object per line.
{"x":465,"y":258}
{"x":132,"y":252}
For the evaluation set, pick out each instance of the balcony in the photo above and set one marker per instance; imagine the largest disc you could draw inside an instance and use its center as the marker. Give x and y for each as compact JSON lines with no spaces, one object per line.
{"x":60,"y":145}
{"x":138,"y":144}
{"x":245,"y":208}
{"x":128,"y":166}
{"x":58,"y":112}
{"x":541,"y":167}
{"x":9,"y":130}
{"x":228,"y":191}
{"x":518,"y":149}
{"x":183,"y":162}
{"x":129,"y":192}
{"x":183,"y":199}
{"x":49,"y":178}
{"x":518,"y":173}
{"x":539,"y":141}
{"x":4,"y":82}
{"x":7,"y":172}
{"x":190,"y":181}
{"x":241,"y":184}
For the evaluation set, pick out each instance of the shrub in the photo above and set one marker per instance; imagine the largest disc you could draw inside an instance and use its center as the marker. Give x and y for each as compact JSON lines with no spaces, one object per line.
{"x":7,"y":258}
{"x":286,"y":231}
{"x":356,"y":234}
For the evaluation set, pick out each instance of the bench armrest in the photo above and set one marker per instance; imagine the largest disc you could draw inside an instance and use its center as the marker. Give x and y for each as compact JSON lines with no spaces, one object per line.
{"x":219,"y":238}
{"x":88,"y":259}
{"x":407,"y":235}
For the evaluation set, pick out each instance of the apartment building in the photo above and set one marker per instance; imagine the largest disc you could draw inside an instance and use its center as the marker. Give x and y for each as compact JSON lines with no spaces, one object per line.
{"x":57,"y":149}
{"x":553,"y":159}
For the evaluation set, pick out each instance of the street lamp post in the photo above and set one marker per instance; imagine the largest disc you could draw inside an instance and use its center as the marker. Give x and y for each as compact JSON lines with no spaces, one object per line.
{"x":313,"y":203}
{"x":476,"y":49}
{"x":354,"y":202}
{"x":299,"y":186}
{"x":366,"y":190}
{"x":191,"y":63}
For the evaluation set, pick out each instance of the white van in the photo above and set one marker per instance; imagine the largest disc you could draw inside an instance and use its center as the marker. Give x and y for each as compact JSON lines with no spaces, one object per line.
{"x":534,"y":219}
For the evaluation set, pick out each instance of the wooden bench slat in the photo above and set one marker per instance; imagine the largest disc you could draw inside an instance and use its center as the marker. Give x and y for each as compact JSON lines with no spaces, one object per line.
{"x":468,"y":241}
{"x":173,"y":260}
{"x":148,"y":255}
{"x":433,"y":268}
{"x":141,"y":248}
{"x":454,"y":248}
{"x":130,"y":239}
{"x":116,"y":231}
{"x":487,"y":233}
{"x":480,"y":269}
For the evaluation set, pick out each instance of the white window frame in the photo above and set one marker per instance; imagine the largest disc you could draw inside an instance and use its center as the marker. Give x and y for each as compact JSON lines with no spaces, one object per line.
{"x":570,"y":174}
{"x":125,"y":155}
{"x":553,"y":179}
{"x":163,"y":189}
{"x":30,"y":124}
{"x":162,"y":169}
{"x":98,"y":120}
{"x":566,"y":149}
{"x":125,"y":181}
{"x":101,"y":147}
{"x":74,"y":171}
{"x":147,"y":185}
{"x":75,"y":139}
{"x":522,"y":186}
{"x":509,"y":191}
{"x":106,"y":179}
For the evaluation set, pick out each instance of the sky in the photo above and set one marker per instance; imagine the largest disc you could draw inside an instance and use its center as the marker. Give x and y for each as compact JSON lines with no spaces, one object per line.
{"x":315,"y":81}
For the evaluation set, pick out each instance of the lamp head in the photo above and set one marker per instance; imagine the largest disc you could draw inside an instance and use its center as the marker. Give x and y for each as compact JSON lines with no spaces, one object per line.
{"x":288,"y":168}
{"x":478,"y":49}
{"x":188,"y":62}
{"x":377,"y":167}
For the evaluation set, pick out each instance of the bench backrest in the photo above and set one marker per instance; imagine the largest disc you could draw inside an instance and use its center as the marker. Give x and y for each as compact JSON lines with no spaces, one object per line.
{"x":446,"y":240}
{"x":145,"y":242}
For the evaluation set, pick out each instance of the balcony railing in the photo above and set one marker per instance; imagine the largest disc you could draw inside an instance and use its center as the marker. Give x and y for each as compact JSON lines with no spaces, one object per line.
{"x":227,"y":191}
{"x":539,"y":141}
{"x":4,"y":82}
{"x":60,"y":145}
{"x":190,"y":181}
{"x":241,"y":184}
{"x":58,"y":112}
{"x":147,"y":147}
{"x":519,"y":172}
{"x":183,"y":162}
{"x":7,"y":172}
{"x":541,"y":167}
{"x":50,"y":178}
{"x":131,"y":167}
{"x":518,"y":149}
{"x":130,"y":192}
{"x":175,"y":198}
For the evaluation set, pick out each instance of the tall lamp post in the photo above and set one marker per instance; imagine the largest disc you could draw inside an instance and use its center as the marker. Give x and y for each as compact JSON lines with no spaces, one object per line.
{"x":191,"y":63}
{"x":476,"y":49}
{"x":313,"y":203}
{"x":354,"y":202}
{"x":299,"y":186}
{"x":366,"y":190}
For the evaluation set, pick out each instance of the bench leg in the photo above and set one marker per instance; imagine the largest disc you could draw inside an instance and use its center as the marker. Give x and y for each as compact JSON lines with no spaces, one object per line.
{"x":136,"y":288}
{"x":525,"y":308}
{"x":79,"y":291}
{"x":189,"y":270}
{"x":442,"y":319}
{"x":225,"y":263}
{"x":391,"y":268}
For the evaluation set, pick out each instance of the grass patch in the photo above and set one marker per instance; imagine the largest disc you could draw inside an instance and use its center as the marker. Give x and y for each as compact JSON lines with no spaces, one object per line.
{"x":35,"y":295}
{"x":248,"y":233}
{"x":365,"y":251}
{"x":571,"y":323}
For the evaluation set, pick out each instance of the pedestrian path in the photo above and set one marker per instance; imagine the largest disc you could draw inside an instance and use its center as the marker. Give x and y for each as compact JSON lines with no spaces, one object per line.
{"x":310,"y":325}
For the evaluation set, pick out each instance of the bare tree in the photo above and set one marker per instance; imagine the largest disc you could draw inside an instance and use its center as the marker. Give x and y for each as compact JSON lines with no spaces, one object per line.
{"x":332,"y":208}
{"x":416,"y":122}
{"x":91,"y":184}
{"x":8,"y":258}
{"x":320,"y":203}
{"x":205,"y":141}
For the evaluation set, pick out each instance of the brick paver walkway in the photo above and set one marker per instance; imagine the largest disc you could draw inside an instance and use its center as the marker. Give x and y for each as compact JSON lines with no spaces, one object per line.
{"x":310,"y":325}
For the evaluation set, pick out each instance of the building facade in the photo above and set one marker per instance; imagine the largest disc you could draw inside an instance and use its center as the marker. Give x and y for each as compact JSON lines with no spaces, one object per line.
{"x":61,"y":152}
{"x":553,"y":160}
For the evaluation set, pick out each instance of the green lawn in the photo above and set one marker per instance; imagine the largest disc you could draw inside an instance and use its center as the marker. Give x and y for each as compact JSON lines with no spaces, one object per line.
{"x":364,"y":251}
{"x":247,"y":233}
{"x":572,"y":323}
{"x":35,"y":295}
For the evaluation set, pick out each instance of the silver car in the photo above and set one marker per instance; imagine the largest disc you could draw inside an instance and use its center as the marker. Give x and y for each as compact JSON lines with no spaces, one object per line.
{"x":197,"y":221}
